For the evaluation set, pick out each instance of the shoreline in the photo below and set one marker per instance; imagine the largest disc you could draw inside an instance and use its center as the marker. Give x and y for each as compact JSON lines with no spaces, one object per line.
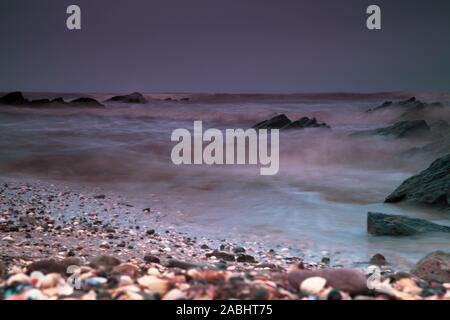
{"x":45,"y":229}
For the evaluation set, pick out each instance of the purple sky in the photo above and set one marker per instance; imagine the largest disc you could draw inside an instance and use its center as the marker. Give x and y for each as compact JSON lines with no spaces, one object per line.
{"x":224,"y":46}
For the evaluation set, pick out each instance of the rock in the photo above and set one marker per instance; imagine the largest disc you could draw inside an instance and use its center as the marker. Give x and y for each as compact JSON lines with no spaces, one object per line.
{"x":48,"y":266}
{"x":409,"y":108}
{"x":3,"y":269}
{"x":8,"y":239}
{"x":277,"y":122}
{"x":104,"y":262}
{"x":154,"y":284}
{"x":380,"y":224}
{"x":436,"y":264}
{"x":402,"y":129}
{"x":378,"y":260}
{"x":150,"y":258}
{"x":150,"y":232}
{"x":246,"y":258}
{"x":305,"y":123}
{"x":125,"y":269}
{"x":174,"y":263}
{"x":13,"y":98}
{"x":352,"y":281}
{"x":283,"y":122}
{"x":100,"y":197}
{"x":175,"y":294}
{"x":135,"y":97}
{"x":85,"y":102}
{"x":238,"y":249}
{"x":313,"y":285}
{"x":221,"y":255}
{"x":431,"y":186}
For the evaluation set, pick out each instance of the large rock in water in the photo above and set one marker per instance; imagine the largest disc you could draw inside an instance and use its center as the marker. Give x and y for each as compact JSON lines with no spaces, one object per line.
{"x":402,"y":129}
{"x":86,"y":102}
{"x":13,"y":98}
{"x":410,"y":107}
{"x":436,"y":264}
{"x":431,"y":186}
{"x":135,"y":97}
{"x":283,"y":122}
{"x":380,"y":224}
{"x":349,"y":280}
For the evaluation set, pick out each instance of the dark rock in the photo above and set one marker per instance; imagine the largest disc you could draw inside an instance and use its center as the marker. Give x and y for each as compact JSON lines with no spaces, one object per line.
{"x":334,"y":295}
{"x":174,"y":263}
{"x":436,"y":264}
{"x":410,"y":108}
{"x":104,"y":262}
{"x":147,"y":210}
{"x":150,"y":232}
{"x":150,"y":258}
{"x":378,"y":260}
{"x":245,"y":258}
{"x":283,"y":122}
{"x":3,"y":269}
{"x":402,"y":129}
{"x":85,"y":102}
{"x":135,"y":97}
{"x":277,"y":122}
{"x":13,"y":98}
{"x":221,"y":255}
{"x":238,"y":249}
{"x":352,"y":281}
{"x":379,"y":224}
{"x":100,"y":196}
{"x":431,"y":186}
{"x":305,"y":123}
{"x":204,"y":247}
{"x":53,"y":266}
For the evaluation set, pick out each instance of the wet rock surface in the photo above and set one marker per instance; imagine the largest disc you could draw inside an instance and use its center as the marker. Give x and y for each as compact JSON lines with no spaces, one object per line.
{"x":403,"y":129}
{"x":134,"y":97}
{"x":430,"y":187}
{"x":379,"y":224}
{"x":435,"y":265}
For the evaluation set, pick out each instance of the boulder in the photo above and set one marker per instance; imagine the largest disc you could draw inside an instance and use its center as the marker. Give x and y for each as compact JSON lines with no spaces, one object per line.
{"x":435,"y":264}
{"x":352,"y":281}
{"x":13,"y":98}
{"x":431,"y":186}
{"x":402,"y":129}
{"x":380,"y":224}
{"x":53,"y":266}
{"x":134,"y":97}
{"x":104,"y":262}
{"x":306,"y":122}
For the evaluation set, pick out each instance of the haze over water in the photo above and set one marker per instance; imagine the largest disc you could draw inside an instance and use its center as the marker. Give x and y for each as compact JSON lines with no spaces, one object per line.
{"x":319,"y":201}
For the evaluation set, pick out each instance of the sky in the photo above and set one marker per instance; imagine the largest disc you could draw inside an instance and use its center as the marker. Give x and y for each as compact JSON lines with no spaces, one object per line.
{"x":236,"y":46}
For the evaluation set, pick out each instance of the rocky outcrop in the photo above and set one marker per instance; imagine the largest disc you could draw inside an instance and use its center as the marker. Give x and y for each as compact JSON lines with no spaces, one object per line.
{"x":402,"y":129}
{"x":431,"y":186}
{"x":282,"y":122}
{"x":85,"y":102}
{"x":435,"y":265}
{"x":17,"y":99}
{"x":13,"y":99}
{"x":134,"y":97}
{"x":409,"y":106}
{"x":380,"y":224}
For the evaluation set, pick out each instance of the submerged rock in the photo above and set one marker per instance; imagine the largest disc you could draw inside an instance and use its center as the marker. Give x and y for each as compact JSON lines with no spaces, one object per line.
{"x":402,"y":129}
{"x":431,"y":186}
{"x":379,"y":224}
{"x":352,"y":281}
{"x":434,"y":264}
{"x":283,"y":122}
{"x":410,"y":107}
{"x":134,"y":97}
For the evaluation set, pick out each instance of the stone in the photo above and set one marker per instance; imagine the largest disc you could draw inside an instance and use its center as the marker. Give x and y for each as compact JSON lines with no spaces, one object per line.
{"x":104,"y":261}
{"x":150,"y":258}
{"x":175,"y":294}
{"x":277,"y":122}
{"x":378,"y":260}
{"x":246,"y":258}
{"x":313,"y":285}
{"x":380,"y":224}
{"x":436,"y":264}
{"x":351,"y":281}
{"x":174,"y":263}
{"x":221,"y":255}
{"x":154,"y":284}
{"x":402,"y":129}
{"x":125,"y":269}
{"x":134,"y":97}
{"x":430,"y":187}
{"x":238,"y":249}
{"x":13,"y":98}
{"x":85,"y":102}
{"x":48,"y":266}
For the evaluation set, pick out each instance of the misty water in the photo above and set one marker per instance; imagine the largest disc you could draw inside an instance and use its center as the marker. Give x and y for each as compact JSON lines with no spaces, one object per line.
{"x":318,"y":202}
